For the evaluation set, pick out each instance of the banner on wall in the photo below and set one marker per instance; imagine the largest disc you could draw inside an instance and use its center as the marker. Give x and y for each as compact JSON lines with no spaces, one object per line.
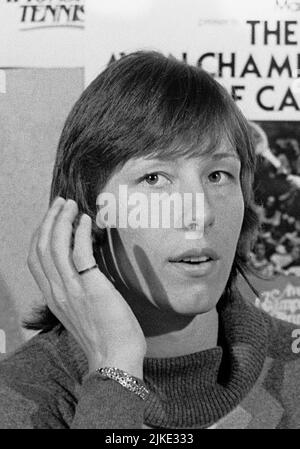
{"x":41,"y":33}
{"x":280,"y":297}
{"x":250,"y":47}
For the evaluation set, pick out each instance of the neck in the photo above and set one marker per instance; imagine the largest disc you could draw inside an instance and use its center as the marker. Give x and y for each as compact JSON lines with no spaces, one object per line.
{"x":199,"y":334}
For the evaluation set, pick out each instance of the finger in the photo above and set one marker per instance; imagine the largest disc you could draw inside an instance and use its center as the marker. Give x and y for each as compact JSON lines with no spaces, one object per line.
{"x":33,"y":261}
{"x":84,"y":258}
{"x":60,"y":245}
{"x":83,"y":249}
{"x":43,"y":251}
{"x":43,"y":227}
{"x":40,"y":278}
{"x":38,"y":248}
{"x":35,"y":268}
{"x":47,"y":226}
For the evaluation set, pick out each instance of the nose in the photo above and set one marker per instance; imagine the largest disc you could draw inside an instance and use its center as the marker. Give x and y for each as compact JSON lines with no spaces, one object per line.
{"x":198,"y":210}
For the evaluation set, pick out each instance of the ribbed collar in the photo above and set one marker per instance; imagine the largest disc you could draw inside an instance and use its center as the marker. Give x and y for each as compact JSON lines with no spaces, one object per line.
{"x":198,"y":389}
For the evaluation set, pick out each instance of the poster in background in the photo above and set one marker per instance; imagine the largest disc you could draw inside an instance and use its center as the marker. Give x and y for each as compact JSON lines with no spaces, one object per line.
{"x":280,"y":297}
{"x":250,"y":47}
{"x":253,"y":49}
{"x":41,"y":33}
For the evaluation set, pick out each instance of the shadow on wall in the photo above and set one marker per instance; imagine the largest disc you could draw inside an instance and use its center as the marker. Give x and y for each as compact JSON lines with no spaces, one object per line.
{"x":10,"y":332}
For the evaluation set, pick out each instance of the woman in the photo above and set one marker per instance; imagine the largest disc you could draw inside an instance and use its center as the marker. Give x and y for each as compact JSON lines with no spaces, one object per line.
{"x":157,"y":306}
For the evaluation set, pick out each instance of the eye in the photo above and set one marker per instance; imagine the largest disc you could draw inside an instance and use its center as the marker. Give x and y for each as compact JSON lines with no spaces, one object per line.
{"x":155,"y":179}
{"x":218,"y":177}
{"x":152,"y":178}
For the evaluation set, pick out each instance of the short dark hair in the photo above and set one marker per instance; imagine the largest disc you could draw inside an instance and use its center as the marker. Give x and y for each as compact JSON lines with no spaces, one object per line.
{"x":146,"y":104}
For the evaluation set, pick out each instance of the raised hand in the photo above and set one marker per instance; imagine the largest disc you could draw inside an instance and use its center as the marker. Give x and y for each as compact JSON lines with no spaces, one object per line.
{"x":88,"y":305}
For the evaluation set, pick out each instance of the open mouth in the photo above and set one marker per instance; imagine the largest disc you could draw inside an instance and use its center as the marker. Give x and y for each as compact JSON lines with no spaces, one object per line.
{"x":195,"y":262}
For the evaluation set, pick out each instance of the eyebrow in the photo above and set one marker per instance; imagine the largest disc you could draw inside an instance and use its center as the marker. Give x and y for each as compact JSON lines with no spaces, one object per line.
{"x":151,"y":164}
{"x":223,"y":155}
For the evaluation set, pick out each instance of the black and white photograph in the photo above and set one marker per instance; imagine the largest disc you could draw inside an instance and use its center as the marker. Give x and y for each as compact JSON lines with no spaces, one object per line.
{"x":150,"y":220}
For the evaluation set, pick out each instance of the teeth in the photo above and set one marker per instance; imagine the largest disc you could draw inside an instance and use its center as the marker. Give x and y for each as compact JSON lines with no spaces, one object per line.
{"x":196,"y":259}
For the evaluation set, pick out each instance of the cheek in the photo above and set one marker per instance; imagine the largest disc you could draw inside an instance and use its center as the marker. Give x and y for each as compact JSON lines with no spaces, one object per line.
{"x":139,"y":254}
{"x":148,"y":241}
{"x":231,"y":216}
{"x":238,"y":210}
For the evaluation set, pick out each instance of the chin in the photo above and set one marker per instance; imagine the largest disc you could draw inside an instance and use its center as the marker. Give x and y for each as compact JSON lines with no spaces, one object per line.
{"x":193,"y":304}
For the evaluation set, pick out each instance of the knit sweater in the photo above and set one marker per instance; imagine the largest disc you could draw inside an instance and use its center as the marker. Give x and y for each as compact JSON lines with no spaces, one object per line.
{"x":251,"y":379}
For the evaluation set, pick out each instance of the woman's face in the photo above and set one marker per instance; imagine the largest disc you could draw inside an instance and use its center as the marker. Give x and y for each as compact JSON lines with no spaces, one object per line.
{"x":150,"y":260}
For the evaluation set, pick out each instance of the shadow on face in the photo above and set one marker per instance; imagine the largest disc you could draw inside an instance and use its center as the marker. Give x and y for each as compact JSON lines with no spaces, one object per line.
{"x":155,"y":320}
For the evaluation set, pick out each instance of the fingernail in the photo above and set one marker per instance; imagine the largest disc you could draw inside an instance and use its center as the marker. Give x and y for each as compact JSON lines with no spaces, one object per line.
{"x":58,"y":200}
{"x":85,"y":217}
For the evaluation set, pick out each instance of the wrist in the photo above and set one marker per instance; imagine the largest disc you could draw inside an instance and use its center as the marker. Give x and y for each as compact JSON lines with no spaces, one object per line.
{"x":131,"y":366}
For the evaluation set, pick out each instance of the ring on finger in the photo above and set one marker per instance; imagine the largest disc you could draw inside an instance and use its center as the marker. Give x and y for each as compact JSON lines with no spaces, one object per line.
{"x":88,"y":269}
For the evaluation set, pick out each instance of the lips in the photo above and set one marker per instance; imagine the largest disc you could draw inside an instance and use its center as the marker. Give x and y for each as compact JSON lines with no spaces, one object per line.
{"x":195,"y":256}
{"x":195,"y":259}
{"x":195,"y":262}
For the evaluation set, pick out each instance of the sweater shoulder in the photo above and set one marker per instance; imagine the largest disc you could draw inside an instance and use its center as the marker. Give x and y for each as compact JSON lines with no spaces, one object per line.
{"x":37,"y":389}
{"x":283,"y":339}
{"x":37,"y":365}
